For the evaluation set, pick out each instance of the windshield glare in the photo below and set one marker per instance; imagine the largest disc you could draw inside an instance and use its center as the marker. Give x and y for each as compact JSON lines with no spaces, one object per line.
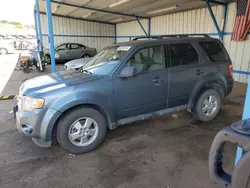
{"x":106,"y":60}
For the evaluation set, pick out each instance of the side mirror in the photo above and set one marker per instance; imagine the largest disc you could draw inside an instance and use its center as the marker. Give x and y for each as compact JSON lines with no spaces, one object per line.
{"x":128,"y":71}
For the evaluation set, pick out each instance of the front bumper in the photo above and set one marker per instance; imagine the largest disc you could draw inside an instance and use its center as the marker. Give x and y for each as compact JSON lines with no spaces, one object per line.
{"x":37,"y":124}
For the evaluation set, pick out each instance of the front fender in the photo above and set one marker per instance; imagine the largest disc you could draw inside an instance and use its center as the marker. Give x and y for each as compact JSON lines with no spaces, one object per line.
{"x":71,"y":100}
{"x":94,"y":98}
{"x":209,"y":81}
{"x":47,"y":124}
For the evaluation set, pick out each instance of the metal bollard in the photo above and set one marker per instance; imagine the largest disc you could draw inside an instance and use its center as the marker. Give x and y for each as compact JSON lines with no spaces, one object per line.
{"x":238,"y":133}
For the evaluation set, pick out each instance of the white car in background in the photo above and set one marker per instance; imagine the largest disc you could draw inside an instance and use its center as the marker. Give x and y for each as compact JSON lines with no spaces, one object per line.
{"x":77,"y":63}
{"x":6,"y":47}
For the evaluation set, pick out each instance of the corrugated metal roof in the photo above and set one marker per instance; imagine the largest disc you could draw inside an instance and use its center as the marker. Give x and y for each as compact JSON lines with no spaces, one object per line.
{"x":134,"y":7}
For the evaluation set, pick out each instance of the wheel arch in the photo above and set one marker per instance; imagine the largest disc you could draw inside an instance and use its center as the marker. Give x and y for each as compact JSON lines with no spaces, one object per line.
{"x":5,"y":50}
{"x":85,"y":53}
{"x":68,"y":110}
{"x":218,"y":85}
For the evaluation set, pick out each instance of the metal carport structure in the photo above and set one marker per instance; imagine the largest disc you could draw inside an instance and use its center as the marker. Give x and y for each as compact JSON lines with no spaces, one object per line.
{"x":119,"y":14}
{"x":113,"y":12}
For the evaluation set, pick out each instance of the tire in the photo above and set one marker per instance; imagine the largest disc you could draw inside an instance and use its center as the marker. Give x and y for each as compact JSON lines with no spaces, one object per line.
{"x":3,"y":51}
{"x":85,"y":56}
{"x":47,"y":59}
{"x":26,"y":69}
{"x":204,"y":110}
{"x":69,"y":123}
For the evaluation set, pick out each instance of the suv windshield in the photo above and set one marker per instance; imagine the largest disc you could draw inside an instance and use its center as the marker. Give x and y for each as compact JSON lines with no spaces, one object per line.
{"x":106,"y":60}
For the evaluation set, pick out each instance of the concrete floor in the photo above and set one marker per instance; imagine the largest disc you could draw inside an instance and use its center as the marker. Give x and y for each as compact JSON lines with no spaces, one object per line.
{"x":166,"y":152}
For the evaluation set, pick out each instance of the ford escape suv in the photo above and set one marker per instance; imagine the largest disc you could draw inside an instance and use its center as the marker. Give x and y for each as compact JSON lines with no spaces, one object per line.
{"x":123,"y":83}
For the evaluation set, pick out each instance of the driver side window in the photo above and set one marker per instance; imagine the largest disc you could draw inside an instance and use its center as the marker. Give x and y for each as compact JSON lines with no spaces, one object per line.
{"x":147,"y":59}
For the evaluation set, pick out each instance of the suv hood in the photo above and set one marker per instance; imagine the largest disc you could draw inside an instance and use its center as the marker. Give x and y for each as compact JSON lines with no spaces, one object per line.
{"x":55,"y":81}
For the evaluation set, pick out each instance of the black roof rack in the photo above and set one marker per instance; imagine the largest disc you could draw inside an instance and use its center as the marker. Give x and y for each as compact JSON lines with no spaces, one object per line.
{"x":174,"y":35}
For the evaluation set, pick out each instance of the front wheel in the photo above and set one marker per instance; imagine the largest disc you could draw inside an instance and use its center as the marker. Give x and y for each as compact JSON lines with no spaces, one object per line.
{"x":3,"y":51}
{"x":81,"y":130}
{"x":207,"y":105}
{"x":85,"y":56}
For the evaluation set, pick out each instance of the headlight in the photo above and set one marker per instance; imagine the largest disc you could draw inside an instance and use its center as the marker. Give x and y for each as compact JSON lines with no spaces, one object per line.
{"x":29,"y":104}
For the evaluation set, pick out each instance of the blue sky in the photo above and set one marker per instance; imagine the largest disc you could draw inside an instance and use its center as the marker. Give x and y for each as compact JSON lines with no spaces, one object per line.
{"x":17,"y":10}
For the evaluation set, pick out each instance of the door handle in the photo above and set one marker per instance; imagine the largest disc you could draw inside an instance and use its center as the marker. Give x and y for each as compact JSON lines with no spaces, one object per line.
{"x":156,"y":81}
{"x":199,"y":72}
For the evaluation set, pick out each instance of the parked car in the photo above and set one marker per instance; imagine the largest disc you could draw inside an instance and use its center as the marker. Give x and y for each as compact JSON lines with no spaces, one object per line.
{"x":70,"y":51}
{"x":6,"y":47}
{"x":123,"y":83}
{"x":24,"y":45}
{"x":77,"y":63}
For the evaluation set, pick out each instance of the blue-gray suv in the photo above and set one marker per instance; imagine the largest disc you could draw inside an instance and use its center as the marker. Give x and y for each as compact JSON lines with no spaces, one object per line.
{"x":123,"y":83}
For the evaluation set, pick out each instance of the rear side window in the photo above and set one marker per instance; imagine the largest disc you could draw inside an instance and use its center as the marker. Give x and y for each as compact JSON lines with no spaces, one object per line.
{"x":214,"y":51}
{"x":75,"y":46}
{"x":183,"y":55}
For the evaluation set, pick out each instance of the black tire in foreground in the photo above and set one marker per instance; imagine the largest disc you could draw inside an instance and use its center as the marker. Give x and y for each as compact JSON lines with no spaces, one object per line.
{"x":81,"y":130}
{"x":207,"y":105}
{"x":47,"y":59}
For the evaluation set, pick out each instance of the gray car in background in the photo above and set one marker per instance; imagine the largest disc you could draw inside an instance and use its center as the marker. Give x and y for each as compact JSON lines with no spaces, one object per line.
{"x":70,"y":51}
{"x":6,"y":47}
{"x":77,"y":63}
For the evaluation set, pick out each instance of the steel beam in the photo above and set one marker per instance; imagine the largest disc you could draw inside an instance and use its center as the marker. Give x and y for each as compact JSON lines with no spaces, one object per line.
{"x":115,"y":33}
{"x":214,"y":20}
{"x":225,"y":20}
{"x":36,"y":27}
{"x":149,"y":27}
{"x":139,"y":22}
{"x":82,"y":19}
{"x":96,"y":9}
{"x":39,"y":26}
{"x":218,"y":2}
{"x":51,"y":36}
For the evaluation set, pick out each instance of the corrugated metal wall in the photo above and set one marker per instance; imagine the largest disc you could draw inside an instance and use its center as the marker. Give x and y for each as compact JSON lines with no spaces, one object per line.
{"x":239,"y":51}
{"x":198,"y":21}
{"x":194,"y":21}
{"x":130,"y":28}
{"x":71,"y":30}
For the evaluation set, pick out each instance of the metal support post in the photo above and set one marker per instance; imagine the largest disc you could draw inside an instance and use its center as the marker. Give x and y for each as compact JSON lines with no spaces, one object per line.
{"x":224,"y":19}
{"x":51,"y":35}
{"x":36,"y":28}
{"x":115,"y":33}
{"x":246,"y":115}
{"x":149,"y":27}
{"x":39,"y":26}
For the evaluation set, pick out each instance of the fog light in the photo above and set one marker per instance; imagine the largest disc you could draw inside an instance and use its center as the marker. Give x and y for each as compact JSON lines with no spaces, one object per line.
{"x":27,"y":129}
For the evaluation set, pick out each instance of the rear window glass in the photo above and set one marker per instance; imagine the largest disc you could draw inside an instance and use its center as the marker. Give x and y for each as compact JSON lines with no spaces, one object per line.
{"x":183,"y":55}
{"x":214,"y":51}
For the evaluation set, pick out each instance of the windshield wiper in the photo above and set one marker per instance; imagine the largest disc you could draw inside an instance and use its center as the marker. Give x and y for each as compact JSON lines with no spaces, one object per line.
{"x":86,"y":71}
